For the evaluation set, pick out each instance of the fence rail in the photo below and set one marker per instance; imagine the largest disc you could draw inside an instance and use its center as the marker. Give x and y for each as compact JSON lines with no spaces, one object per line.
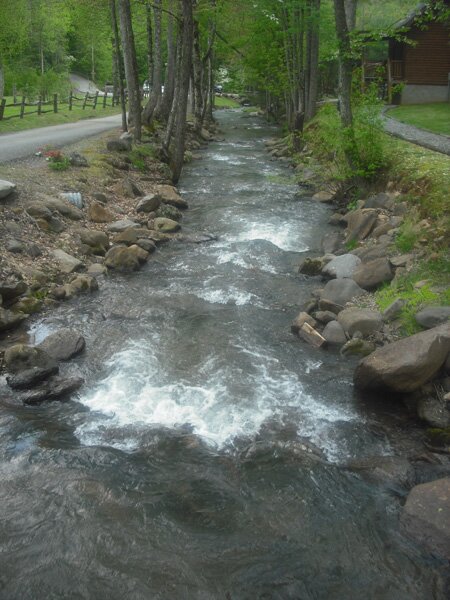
{"x":41,"y":107}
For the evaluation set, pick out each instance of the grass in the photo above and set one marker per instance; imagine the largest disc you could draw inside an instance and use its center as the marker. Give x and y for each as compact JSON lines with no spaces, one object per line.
{"x":222,"y":102}
{"x":432,"y":117}
{"x":64,"y":115}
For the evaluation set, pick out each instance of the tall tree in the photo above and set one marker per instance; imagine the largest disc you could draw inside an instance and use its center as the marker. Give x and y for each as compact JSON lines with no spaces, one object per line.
{"x":118,"y":62}
{"x":154,"y":101}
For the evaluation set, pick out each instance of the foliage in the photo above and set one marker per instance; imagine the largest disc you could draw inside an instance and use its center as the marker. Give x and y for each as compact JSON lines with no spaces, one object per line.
{"x":56,"y":160}
{"x":408,"y":235}
{"x":222,"y":102}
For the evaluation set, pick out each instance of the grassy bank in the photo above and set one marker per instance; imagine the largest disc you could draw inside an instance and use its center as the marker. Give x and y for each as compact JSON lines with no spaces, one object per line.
{"x":222,"y":102}
{"x":64,"y":115}
{"x":433,"y":117}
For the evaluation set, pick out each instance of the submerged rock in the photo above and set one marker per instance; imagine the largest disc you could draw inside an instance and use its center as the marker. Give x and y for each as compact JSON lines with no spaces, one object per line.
{"x":56,"y":388}
{"x":29,"y":378}
{"x":392,"y":470}
{"x":22,"y":357}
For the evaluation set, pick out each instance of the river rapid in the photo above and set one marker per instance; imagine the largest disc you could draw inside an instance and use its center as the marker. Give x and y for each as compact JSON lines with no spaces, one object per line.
{"x":182,"y":470}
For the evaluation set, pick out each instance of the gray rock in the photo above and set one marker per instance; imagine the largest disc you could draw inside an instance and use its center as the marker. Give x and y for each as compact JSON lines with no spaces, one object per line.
{"x":31,"y":377}
{"x":197,"y":238}
{"x":169,"y":212}
{"x":120,"y":258}
{"x":334,"y":334}
{"x":332,"y":242}
{"x":426,"y":515}
{"x":97,"y":213}
{"x":67,"y":263}
{"x":64,"y":207}
{"x":130,"y":189}
{"x":371,"y":275}
{"x":394,"y":310}
{"x":119,"y":226}
{"x":166,"y":225}
{"x":11,"y":289}
{"x":10,"y":320}
{"x":323,"y":196}
{"x":56,"y":388}
{"x":387,"y":470}
{"x":22,"y":357}
{"x":342,"y":266}
{"x":324,"y":316}
{"x":360,"y":319}
{"x":33,"y":250}
{"x":78,"y":160}
{"x":381,"y":200}
{"x":169,"y":195}
{"x":337,"y":293}
{"x":367,"y":255}
{"x":149,"y":203}
{"x":98,"y":240}
{"x":360,"y":223}
{"x":146,"y":245}
{"x":131,"y":236}
{"x":434,"y":411}
{"x":404,"y":366}
{"x":63,"y":344}
{"x":300,"y":320}
{"x":357,"y":347}
{"x":97,"y":269}
{"x":15,"y":247}
{"x":433,"y":316}
{"x":100,"y":197}
{"x":80,"y":285}
{"x":6,"y":188}
{"x":401,"y":261}
{"x":119,"y":145}
{"x":38,"y":211}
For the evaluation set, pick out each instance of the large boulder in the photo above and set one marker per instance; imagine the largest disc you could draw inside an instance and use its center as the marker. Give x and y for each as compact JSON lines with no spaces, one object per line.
{"x":360,"y":223}
{"x":360,"y":319}
{"x":67,"y":263}
{"x":63,"y":344}
{"x":388,"y":470}
{"x":22,"y":357}
{"x":433,"y":316}
{"x":6,"y":188}
{"x":97,"y":213}
{"x":121,"y":258}
{"x":148,"y":203}
{"x":169,"y":212}
{"x":169,"y":195}
{"x":342,"y":266}
{"x":371,"y":275}
{"x":404,"y":366}
{"x":426,"y":515}
{"x":29,"y":378}
{"x":332,"y":242}
{"x":334,"y":334}
{"x":10,"y":320}
{"x":337,"y":293}
{"x":166,"y":225}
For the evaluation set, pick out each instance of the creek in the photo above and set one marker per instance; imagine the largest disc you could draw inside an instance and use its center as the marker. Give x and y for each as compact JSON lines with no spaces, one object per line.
{"x":182,"y":471}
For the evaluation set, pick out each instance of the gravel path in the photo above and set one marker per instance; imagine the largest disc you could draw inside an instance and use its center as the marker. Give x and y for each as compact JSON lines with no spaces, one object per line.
{"x":421,"y":137}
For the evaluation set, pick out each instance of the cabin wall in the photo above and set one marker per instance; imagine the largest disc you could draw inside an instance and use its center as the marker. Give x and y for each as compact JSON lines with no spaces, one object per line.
{"x":427,"y":62}
{"x":423,"y":94}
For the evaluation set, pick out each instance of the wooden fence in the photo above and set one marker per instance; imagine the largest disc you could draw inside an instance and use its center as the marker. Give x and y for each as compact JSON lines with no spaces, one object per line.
{"x":41,"y":107}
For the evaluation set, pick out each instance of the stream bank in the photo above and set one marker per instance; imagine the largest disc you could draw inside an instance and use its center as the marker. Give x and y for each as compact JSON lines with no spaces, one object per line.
{"x":206,"y":455}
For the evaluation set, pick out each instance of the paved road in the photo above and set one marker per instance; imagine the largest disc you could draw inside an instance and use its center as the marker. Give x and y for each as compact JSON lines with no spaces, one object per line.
{"x":25,"y":143}
{"x":421,"y":137}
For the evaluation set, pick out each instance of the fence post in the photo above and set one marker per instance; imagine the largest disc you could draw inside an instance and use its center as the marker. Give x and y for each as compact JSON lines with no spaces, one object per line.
{"x":22,"y":107}
{"x":70,"y":100}
{"x":85,"y":100}
{"x":40,"y":106}
{"x":14,"y":94}
{"x":55,"y":103}
{"x":2,"y":108}
{"x":105,"y":96}
{"x":94,"y":106}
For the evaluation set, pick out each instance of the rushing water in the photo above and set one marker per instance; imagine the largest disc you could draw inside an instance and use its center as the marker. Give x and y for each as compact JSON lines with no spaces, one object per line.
{"x":180,"y":472}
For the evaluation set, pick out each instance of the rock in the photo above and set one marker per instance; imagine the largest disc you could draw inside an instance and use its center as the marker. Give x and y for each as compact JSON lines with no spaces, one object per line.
{"x":311,"y":266}
{"x":438,"y":440}
{"x":401,"y":261}
{"x":342,"y":266}
{"x":127,"y":136}
{"x":141,"y":254}
{"x":433,"y":316}
{"x":166,"y":225}
{"x":302,"y":318}
{"x":67,"y":263}
{"x":426,"y":515}
{"x":434,"y":411}
{"x":27,"y":305}
{"x":100,"y":197}
{"x":367,"y":255}
{"x":205,"y":135}
{"x":169,"y":212}
{"x":54,"y":225}
{"x":38,"y":211}
{"x":360,"y":319}
{"x":80,"y":285}
{"x":121,"y":225}
{"x":64,"y":207}
{"x":14,"y":246}
{"x":381,"y":229}
{"x":198,"y":238}
{"x":169,"y":195}
{"x":357,"y":347}
{"x":10,"y":320}
{"x":11,"y":289}
{"x":97,"y":269}
{"x":310,"y":335}
{"x":371,"y":275}
{"x":56,"y":388}
{"x":324,"y":316}
{"x":119,"y":145}
{"x":323,"y":196}
{"x":332,"y":242}
{"x":31,"y":377}
{"x":22,"y":357}
{"x":120,"y":258}
{"x":360,"y":223}
{"x":130,"y":189}
{"x":131,"y":236}
{"x":394,"y":310}
{"x":33,"y":250}
{"x":97,"y":240}
{"x":78,"y":160}
{"x":334,"y":334}
{"x":390,"y":470}
{"x":6,"y":188}
{"x":146,"y":245}
{"x":381,"y":200}
{"x":337,"y":293}
{"x":97,"y":213}
{"x":63,"y":344}
{"x":404,"y":366}
{"x":149,"y":203}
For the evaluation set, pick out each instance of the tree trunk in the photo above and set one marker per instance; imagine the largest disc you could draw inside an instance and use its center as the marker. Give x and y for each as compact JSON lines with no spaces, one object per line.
{"x":148,"y":15}
{"x":117,"y":57}
{"x":350,"y":13}
{"x":169,"y":84}
{"x":181,"y":99}
{"x":131,"y":68}
{"x":345,"y":64}
{"x":2,"y":79}
{"x":312,"y":83}
{"x":155,"y":97}
{"x":197,"y":80}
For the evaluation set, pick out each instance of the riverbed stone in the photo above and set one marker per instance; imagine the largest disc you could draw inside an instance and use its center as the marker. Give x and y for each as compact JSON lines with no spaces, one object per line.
{"x":299,"y":321}
{"x":22,"y":357}
{"x":80,"y":285}
{"x":122,"y":225}
{"x":166,"y":225}
{"x":67,"y":263}
{"x":15,"y":246}
{"x":38,"y":211}
{"x":169,"y":195}
{"x":97,"y":213}
{"x":368,"y":254}
{"x":323,"y":196}
{"x":6,"y":188}
{"x":10,"y":320}
{"x":381,"y":200}
{"x":311,"y":266}
{"x":360,"y":319}
{"x":394,"y":309}
{"x":334,"y":334}
{"x":434,"y":410}
{"x":64,"y":208}
{"x":432,"y":316}
{"x":387,"y":470}
{"x":360,"y":223}
{"x":324,"y":316}
{"x":119,"y":258}
{"x":148,"y":203}
{"x":332,"y":242}
{"x":342,"y":266}
{"x":131,"y":189}
{"x":55,"y":388}
{"x":371,"y":275}
{"x":97,"y":269}
{"x":405,"y":365}
{"x":97,"y":240}
{"x":63,"y":344}
{"x":337,"y":293}
{"x":139,"y":252}
{"x":426,"y":515}
{"x":357,"y":347}
{"x":169,"y":212}
{"x":12,"y":288}
{"x":29,"y":378}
